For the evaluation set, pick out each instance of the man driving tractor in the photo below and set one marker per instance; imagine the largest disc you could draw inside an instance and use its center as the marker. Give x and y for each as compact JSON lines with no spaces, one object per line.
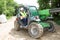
{"x":28,"y":18}
{"x":23,"y":16}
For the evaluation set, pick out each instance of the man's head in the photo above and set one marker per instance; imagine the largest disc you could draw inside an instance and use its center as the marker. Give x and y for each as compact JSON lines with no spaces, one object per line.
{"x":22,"y":9}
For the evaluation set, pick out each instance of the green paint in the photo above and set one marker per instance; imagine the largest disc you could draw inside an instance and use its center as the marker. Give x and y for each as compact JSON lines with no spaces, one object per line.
{"x":33,"y":11}
{"x":43,"y":14}
{"x":44,"y":24}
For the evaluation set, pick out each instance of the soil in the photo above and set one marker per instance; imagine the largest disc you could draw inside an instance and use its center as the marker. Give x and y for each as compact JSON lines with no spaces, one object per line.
{"x":7,"y":32}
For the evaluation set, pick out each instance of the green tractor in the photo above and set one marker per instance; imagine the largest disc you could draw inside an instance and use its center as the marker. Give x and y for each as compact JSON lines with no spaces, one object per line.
{"x":36,"y":22}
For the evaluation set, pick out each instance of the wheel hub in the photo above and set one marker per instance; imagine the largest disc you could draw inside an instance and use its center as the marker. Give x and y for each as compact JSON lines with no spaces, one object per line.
{"x":34,"y":31}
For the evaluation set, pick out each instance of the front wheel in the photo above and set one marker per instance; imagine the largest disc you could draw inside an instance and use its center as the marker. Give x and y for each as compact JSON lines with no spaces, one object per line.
{"x":16,"y":26}
{"x":35,"y":30}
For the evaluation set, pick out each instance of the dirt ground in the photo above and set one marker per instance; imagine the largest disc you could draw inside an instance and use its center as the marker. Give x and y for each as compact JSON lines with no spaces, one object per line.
{"x":8,"y":33}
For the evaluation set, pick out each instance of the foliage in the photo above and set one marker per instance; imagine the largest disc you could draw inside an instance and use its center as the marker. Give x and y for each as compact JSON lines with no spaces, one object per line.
{"x":57,"y":20}
{"x":43,"y":4}
{"x":55,"y":3}
{"x":7,"y":7}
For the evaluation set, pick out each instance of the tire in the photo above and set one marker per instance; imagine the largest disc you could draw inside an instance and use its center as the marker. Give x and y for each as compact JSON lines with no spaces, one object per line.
{"x":35,"y":30}
{"x":51,"y":28}
{"x":16,"y":26}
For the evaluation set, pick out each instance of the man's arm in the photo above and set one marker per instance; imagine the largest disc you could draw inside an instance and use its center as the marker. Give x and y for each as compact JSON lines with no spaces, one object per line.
{"x":20,"y":16}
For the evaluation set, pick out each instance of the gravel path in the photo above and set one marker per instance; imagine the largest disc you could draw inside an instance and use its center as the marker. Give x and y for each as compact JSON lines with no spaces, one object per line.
{"x":8,"y":33}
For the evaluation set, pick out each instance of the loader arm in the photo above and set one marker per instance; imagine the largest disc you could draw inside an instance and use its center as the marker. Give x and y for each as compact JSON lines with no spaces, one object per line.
{"x":55,"y":10}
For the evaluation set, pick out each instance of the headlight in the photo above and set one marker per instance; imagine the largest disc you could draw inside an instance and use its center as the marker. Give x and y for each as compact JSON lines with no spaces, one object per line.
{"x":37,"y":17}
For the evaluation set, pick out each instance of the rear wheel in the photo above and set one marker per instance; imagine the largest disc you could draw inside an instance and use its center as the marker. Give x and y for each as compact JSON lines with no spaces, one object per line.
{"x":35,"y":30}
{"x":16,"y":26}
{"x":51,"y":28}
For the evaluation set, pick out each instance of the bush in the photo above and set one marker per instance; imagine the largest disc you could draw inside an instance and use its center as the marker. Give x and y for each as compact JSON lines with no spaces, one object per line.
{"x":57,"y":20}
{"x":7,"y":7}
{"x":43,"y":4}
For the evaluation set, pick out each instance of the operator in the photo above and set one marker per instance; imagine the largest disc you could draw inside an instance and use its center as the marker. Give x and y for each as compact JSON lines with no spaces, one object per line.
{"x":23,"y":16}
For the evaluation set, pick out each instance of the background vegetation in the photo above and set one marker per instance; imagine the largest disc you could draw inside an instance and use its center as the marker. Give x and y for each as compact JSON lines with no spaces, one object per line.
{"x":46,"y":4}
{"x":43,"y":4}
{"x":7,"y":7}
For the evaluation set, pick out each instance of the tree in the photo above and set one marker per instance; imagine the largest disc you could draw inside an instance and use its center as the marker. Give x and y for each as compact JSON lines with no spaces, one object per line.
{"x":55,"y":3}
{"x":43,"y":4}
{"x":7,"y":7}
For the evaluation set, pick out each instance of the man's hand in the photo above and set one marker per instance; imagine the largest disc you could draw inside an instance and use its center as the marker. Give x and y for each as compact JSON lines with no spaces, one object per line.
{"x":21,"y":17}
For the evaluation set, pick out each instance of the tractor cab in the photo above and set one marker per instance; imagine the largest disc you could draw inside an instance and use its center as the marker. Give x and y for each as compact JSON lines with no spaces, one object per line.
{"x":32,"y":14}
